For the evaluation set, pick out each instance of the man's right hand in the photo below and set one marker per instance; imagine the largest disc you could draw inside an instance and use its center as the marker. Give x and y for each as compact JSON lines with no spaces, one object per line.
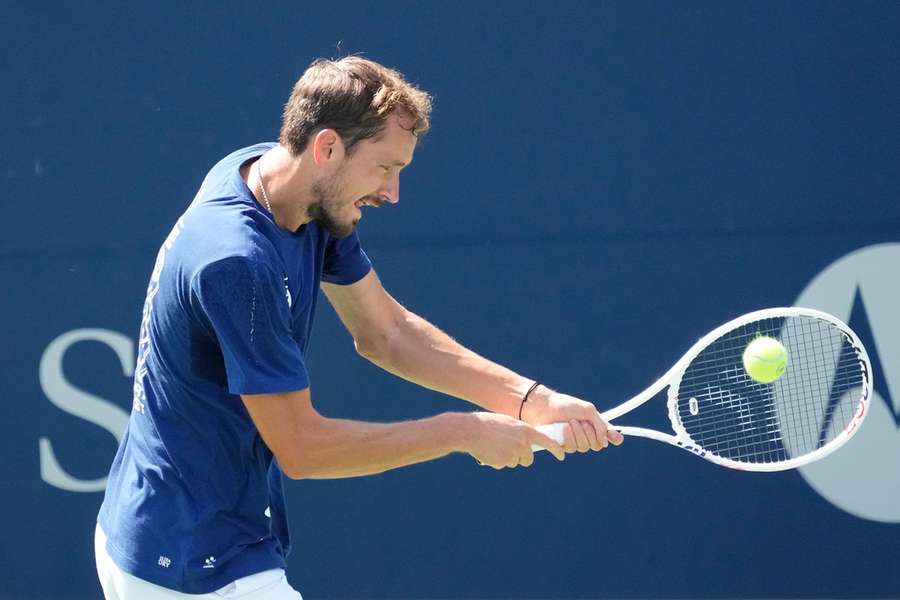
{"x":500,"y":441}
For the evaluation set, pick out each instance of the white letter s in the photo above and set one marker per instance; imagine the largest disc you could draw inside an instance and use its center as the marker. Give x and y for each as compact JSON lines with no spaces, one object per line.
{"x":80,"y":403}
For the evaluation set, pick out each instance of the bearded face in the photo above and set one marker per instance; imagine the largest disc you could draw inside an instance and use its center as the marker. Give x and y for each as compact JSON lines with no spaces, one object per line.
{"x":330,"y":209}
{"x":336,"y":208}
{"x":367,"y":177}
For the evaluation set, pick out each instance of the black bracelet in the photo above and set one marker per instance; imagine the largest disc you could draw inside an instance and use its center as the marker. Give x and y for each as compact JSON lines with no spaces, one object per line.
{"x":525,"y":397}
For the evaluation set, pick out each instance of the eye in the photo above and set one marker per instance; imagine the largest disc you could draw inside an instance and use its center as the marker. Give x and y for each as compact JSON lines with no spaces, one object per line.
{"x":385,"y":168}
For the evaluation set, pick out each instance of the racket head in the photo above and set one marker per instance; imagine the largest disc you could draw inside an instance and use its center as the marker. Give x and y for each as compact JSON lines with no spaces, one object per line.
{"x":818,"y":403}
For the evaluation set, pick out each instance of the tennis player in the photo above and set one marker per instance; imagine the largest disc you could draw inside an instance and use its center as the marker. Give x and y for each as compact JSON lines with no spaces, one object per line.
{"x":222,"y":402}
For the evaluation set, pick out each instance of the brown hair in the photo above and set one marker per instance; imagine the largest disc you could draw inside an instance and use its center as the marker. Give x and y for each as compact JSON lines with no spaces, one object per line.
{"x":354,"y":96}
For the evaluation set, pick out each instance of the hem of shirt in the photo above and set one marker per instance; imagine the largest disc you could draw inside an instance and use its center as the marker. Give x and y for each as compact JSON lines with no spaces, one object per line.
{"x":132,"y":567}
{"x":177,"y":584}
{"x":295,"y":384}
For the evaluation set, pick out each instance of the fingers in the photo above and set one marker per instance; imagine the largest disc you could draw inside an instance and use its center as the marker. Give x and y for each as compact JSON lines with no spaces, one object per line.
{"x":521,"y":460}
{"x":585,"y":437}
{"x":515,"y":447}
{"x":613,"y":436}
{"x":594,"y":434}
{"x":507,"y":443}
{"x":569,"y":442}
{"x":523,"y":455}
{"x":526,"y":459}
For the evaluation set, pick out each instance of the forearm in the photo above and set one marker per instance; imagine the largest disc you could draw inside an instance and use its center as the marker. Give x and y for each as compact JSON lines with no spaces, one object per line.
{"x":420,"y":352}
{"x":335,"y":448}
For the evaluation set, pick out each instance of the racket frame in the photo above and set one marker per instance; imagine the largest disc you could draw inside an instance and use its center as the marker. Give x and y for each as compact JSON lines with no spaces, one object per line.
{"x":672,"y":380}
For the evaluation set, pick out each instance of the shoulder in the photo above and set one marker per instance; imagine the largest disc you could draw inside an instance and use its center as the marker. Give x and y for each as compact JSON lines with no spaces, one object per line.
{"x":223,"y":187}
{"x":225,"y":172}
{"x":229,"y":230}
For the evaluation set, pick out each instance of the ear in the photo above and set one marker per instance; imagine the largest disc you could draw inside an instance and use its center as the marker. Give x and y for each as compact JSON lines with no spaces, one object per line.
{"x":327,"y":146}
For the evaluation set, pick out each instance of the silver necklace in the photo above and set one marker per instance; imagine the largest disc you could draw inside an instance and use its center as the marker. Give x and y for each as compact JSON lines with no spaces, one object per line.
{"x":262,"y":185}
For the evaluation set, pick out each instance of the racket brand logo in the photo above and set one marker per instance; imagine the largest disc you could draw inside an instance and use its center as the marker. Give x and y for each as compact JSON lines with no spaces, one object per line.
{"x":860,"y":288}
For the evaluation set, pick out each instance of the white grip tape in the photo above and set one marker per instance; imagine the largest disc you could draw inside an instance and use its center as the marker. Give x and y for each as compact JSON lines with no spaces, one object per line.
{"x":553,"y":431}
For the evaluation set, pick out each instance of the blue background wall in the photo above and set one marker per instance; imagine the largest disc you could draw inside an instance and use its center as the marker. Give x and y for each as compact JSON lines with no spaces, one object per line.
{"x":604,"y":182}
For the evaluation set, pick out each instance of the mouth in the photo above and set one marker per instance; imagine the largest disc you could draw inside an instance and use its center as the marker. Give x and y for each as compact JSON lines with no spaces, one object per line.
{"x":372,"y":201}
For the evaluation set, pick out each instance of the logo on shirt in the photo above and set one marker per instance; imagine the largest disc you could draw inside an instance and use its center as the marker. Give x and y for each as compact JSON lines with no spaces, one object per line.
{"x":164,"y":561}
{"x":140,"y":371}
{"x":210,"y":563}
{"x":287,"y":291}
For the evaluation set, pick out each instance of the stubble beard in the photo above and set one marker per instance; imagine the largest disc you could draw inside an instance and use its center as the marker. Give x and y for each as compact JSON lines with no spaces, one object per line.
{"x":326,"y":207}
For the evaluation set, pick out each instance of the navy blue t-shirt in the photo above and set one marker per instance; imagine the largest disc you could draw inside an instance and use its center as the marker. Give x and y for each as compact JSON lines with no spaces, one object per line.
{"x":194,"y":498}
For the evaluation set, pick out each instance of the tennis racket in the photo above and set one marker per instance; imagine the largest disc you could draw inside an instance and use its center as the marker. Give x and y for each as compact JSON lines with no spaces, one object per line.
{"x":719,"y":413}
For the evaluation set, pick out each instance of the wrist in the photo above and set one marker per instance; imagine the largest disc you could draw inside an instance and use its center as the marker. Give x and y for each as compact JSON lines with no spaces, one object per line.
{"x":527,"y":396}
{"x":536,"y":404}
{"x":462,"y":429}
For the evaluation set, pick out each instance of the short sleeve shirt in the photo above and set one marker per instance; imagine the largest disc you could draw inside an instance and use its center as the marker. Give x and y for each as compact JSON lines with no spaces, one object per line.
{"x":194,"y":498}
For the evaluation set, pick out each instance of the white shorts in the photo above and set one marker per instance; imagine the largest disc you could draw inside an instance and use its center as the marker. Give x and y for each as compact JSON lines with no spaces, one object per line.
{"x":119,"y":585}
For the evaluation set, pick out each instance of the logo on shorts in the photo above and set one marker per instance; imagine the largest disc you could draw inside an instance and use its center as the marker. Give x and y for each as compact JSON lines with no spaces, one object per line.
{"x":210,"y":563}
{"x":164,"y":561}
{"x":860,"y":289}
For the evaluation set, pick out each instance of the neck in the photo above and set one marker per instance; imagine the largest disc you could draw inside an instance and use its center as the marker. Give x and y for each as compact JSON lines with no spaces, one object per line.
{"x":278,"y":177}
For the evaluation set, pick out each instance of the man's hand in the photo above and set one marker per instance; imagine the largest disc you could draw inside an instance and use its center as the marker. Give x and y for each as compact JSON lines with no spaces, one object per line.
{"x":586,"y":431}
{"x":501,"y":442}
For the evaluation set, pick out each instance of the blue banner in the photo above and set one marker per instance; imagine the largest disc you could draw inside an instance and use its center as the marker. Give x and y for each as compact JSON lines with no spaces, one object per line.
{"x":603,"y":184}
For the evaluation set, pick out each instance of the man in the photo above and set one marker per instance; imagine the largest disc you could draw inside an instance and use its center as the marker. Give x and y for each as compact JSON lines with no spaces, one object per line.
{"x":222,"y":401}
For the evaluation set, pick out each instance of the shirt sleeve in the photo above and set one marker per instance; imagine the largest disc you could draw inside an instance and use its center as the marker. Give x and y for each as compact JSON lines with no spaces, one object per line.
{"x":345,"y":261}
{"x":245,"y":304}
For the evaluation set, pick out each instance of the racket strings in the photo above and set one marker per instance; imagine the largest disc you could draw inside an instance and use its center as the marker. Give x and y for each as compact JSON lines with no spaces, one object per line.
{"x":730,"y":415}
{"x":765,"y":414}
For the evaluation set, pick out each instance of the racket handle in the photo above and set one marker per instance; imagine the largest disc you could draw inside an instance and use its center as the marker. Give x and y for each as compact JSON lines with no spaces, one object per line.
{"x":554,"y":431}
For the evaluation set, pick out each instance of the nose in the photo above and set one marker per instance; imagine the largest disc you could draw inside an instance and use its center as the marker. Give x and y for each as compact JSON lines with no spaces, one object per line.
{"x":391,"y":191}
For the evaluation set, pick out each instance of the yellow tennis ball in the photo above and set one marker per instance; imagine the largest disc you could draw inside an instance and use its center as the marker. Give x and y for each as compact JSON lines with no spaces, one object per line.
{"x":765,"y":359}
